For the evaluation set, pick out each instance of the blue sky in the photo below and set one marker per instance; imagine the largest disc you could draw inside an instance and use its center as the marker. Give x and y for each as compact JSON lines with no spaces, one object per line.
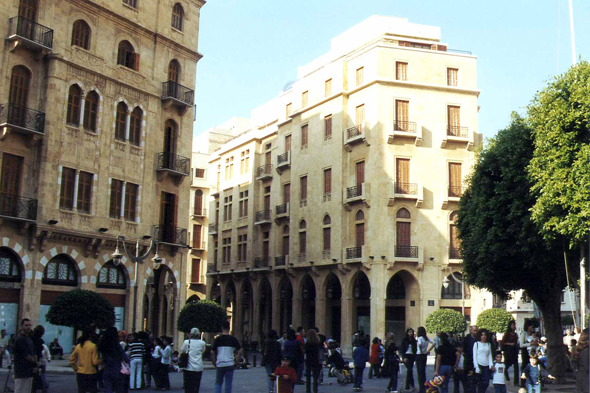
{"x":253,"y":48}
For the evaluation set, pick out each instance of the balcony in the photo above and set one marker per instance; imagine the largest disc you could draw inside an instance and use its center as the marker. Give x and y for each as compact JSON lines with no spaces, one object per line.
{"x":175,"y":94}
{"x":407,"y":130}
{"x":170,"y":235}
{"x":406,"y":253}
{"x":174,"y":165}
{"x":354,"y":135}
{"x":30,"y":35}
{"x":261,"y":263}
{"x":213,"y":228}
{"x":451,"y":194}
{"x":283,"y":162}
{"x":18,"y":208}
{"x":262,"y":217}
{"x":264,"y":172}
{"x":354,"y":253}
{"x":355,"y":194}
{"x":458,"y":134}
{"x":406,"y":191}
{"x":23,"y":120}
{"x":282,"y":211}
{"x":199,"y":212}
{"x":282,"y":260}
{"x":197,"y":279}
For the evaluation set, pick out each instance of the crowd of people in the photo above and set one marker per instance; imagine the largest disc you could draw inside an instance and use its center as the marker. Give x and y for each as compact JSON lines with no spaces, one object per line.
{"x":118,"y":362}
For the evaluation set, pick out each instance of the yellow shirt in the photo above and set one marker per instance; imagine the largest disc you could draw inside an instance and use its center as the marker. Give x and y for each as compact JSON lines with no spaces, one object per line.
{"x":85,"y":359}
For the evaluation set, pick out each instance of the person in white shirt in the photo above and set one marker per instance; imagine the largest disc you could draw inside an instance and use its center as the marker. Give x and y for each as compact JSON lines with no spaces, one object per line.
{"x":166,"y":359}
{"x":525,"y":339}
{"x":194,"y":347}
{"x":4,"y":347}
{"x":483,"y":361}
{"x":423,"y":348}
{"x":499,"y":378}
{"x":156,"y":364}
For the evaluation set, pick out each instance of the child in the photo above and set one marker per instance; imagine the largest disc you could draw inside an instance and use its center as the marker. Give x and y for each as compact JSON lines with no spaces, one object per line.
{"x":459,"y":376}
{"x":361,"y":357}
{"x":532,"y":374}
{"x":285,"y":376}
{"x":174,"y":361}
{"x":499,"y":378}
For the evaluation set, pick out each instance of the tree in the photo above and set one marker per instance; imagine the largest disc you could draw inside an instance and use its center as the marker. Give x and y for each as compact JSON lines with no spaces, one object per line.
{"x":206,"y":315}
{"x":80,"y":308}
{"x":502,"y":247}
{"x":495,"y":320}
{"x":446,"y":320}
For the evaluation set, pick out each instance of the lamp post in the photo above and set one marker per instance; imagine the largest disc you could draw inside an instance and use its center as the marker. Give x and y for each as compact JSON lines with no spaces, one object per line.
{"x":446,"y":283}
{"x":137,"y":259}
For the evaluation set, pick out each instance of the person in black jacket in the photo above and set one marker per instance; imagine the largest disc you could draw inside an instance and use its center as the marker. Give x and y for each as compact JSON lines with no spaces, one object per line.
{"x":312,"y":361}
{"x":271,"y":356}
{"x":468,"y":343}
{"x":408,"y":352}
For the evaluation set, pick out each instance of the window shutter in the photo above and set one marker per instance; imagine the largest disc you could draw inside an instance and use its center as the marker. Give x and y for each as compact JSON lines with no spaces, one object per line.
{"x":136,"y":57}
{"x":327,"y":181}
{"x":360,"y":235}
{"x":402,"y":175}
{"x":327,"y":239}
{"x":360,"y":114}
{"x":287,"y":193}
{"x":360,"y":173}
{"x":196,"y":271}
{"x":404,"y":237}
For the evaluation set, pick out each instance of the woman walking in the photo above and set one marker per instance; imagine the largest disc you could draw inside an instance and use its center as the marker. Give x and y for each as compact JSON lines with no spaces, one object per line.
{"x":509,"y":345}
{"x":84,"y":361}
{"x":483,"y":361}
{"x":271,"y":356}
{"x":391,"y":362}
{"x":194,"y":347}
{"x":424,"y":345}
{"x":312,"y":360}
{"x":408,"y":352}
{"x":112,"y":355}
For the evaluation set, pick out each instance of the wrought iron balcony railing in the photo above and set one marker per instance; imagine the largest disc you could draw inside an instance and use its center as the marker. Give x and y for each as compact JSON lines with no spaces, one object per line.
{"x":406,"y":188}
{"x":170,"y":234}
{"x":14,"y":206}
{"x":405,"y":126}
{"x":174,"y":162}
{"x":264,"y":170}
{"x":31,"y":31}
{"x":454,"y":253}
{"x":22,"y":118}
{"x":178,"y":92}
{"x":456,"y":191}
{"x":353,"y":192}
{"x":355,"y":131}
{"x":281,"y":209}
{"x":283,"y":158}
{"x":458,"y":131}
{"x":261,"y":262}
{"x":406,"y":251}
{"x":281,"y":261}
{"x":354,"y":252}
{"x":263,"y":215}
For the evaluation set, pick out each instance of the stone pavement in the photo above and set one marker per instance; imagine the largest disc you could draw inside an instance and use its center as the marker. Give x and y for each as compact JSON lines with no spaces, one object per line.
{"x":253,"y":380}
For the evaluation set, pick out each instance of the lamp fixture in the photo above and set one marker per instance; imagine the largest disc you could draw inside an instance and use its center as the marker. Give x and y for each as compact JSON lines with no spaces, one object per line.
{"x":446,"y":282}
{"x":117,"y":256}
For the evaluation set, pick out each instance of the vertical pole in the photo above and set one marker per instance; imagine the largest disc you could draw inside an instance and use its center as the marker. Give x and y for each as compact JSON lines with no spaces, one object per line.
{"x":136,"y":261}
{"x":572,"y":32}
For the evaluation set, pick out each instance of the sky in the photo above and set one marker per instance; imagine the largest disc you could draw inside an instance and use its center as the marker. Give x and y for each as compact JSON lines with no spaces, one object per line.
{"x":253,"y":48}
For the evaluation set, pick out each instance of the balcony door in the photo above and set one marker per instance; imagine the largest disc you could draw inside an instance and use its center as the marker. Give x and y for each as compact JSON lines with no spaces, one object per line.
{"x":402,"y":112}
{"x":267,"y":203}
{"x":12,"y":169}
{"x":170,"y":144}
{"x":360,"y":235}
{"x":455,"y":179}
{"x":173,"y":76}
{"x":287,"y":193}
{"x":19,"y":92}
{"x":404,"y":234}
{"x":402,"y":176}
{"x":28,"y":9}
{"x":268,"y":158}
{"x":168,"y":218}
{"x":360,"y":173}
{"x":287,"y":143}
{"x":199,"y":202}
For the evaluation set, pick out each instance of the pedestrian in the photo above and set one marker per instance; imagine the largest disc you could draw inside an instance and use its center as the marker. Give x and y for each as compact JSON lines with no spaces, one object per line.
{"x":360,"y":357}
{"x":531,"y":374}
{"x":294,"y":350}
{"x":374,"y":359}
{"x":445,"y":361}
{"x":4,"y":347}
{"x":468,"y":343}
{"x":285,"y":376}
{"x":156,"y":364}
{"x":224,"y":350}
{"x":423,"y":347}
{"x":392,"y":361}
{"x":282,"y":341}
{"x":509,"y":345}
{"x":25,"y":361}
{"x":136,"y":355}
{"x":459,"y":375}
{"x":483,"y":361}
{"x":581,"y":363}
{"x":312,"y":360}
{"x":195,"y":348}
{"x":408,"y":351}
{"x":84,"y":361}
{"x":271,"y":357}
{"x":336,"y":360}
{"x":39,"y":380}
{"x":300,"y":364}
{"x":525,"y":342}
{"x":55,"y":349}
{"x":114,"y":360}
{"x":498,"y":375}
{"x":166,"y":360}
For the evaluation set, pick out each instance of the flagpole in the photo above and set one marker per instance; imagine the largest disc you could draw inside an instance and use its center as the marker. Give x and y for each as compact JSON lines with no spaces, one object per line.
{"x":572,"y":32}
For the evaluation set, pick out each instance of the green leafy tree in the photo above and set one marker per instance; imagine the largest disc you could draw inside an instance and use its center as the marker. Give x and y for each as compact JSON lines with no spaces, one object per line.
{"x":495,"y":320}
{"x":502,"y":247}
{"x":445,"y":320}
{"x":206,"y":315}
{"x":80,"y":308}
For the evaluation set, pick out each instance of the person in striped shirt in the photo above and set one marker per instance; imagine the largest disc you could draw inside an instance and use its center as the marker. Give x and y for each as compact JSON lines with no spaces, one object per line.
{"x":136,"y":355}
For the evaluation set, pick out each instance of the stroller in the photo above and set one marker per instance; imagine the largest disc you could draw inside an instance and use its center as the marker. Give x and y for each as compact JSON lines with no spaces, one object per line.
{"x":343,"y":375}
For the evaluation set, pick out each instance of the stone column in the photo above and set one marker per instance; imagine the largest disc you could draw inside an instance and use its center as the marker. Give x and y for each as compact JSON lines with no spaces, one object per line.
{"x":123,"y":200}
{"x":320,"y":313}
{"x":255,"y":321}
{"x":378,"y":294}
{"x":347,"y":325}
{"x":77,"y":178}
{"x":127,"y":124}
{"x":82,"y":105}
{"x":296,"y":311}
{"x":276,"y":313}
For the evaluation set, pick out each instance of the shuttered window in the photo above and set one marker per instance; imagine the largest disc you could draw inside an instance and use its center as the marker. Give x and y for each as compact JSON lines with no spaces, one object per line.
{"x":177,"y":17}
{"x":328,"y":127}
{"x":196,"y":271}
{"x":91,"y":111}
{"x":401,"y":71}
{"x":360,"y":173}
{"x":403,"y":234}
{"x":304,"y":96}
{"x":288,"y":143}
{"x":327,"y":239}
{"x":131,"y":191}
{"x":452,"y":76}
{"x":327,"y":181}
{"x":287,"y":193}
{"x":328,"y":88}
{"x":402,"y":175}
{"x":303,"y":188}
{"x":288,"y":110}
{"x":304,"y":135}
{"x":360,"y":114}
{"x":12,"y":168}
{"x":74,"y":100}
{"x":455,"y":179}
{"x":116,"y":195}
{"x":85,"y":192}
{"x":120,"y":121}
{"x":360,"y":234}
{"x":68,"y":180}
{"x":454,"y":116}
{"x":135,"y":126}
{"x":81,"y":34}
{"x":302,"y":242}
{"x":359,"y":76}
{"x":197,"y":230}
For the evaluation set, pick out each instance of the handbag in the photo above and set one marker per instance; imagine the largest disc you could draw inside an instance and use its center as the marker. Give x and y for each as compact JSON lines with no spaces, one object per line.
{"x":125,"y":369}
{"x":183,"y":358}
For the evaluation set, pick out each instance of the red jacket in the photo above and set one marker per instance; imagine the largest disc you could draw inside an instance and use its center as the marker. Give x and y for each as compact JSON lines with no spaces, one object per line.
{"x":285,"y":385}
{"x":375,"y":350}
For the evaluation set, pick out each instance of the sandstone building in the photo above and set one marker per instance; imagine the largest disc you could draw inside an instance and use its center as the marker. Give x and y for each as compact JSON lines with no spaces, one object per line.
{"x":96,"y":118}
{"x":337,"y":209}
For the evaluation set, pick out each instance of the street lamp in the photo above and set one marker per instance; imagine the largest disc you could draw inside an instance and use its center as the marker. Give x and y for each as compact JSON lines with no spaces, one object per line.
{"x":446,"y":283}
{"x":137,"y":259}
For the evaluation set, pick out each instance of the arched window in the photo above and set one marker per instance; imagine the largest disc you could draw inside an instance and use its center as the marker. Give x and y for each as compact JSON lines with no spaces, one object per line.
{"x":453,"y":291}
{"x":174,"y":71}
{"x":111,"y":276}
{"x":91,"y":111}
{"x":81,"y":34}
{"x":285,"y":245}
{"x":327,"y":220}
{"x":177,"y":16}
{"x":60,"y":270}
{"x":359,"y":228}
{"x":302,"y":238}
{"x":327,"y":236}
{"x":403,"y":213}
{"x":455,"y":243}
{"x":19,"y":92}
{"x":396,"y":288}
{"x":120,"y":121}
{"x":403,"y":231}
{"x":199,"y":203}
{"x":74,"y":103}
{"x":127,"y":56}
{"x":135,"y":126}
{"x":9,"y":266}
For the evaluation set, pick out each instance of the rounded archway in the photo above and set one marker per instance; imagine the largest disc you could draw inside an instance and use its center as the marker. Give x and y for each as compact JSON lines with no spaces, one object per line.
{"x":11,"y":278}
{"x":361,"y":309}
{"x":163,"y":289}
{"x":308,"y":298}
{"x":265,"y":309}
{"x":333,"y":307}
{"x":401,"y":303}
{"x":285,"y":292}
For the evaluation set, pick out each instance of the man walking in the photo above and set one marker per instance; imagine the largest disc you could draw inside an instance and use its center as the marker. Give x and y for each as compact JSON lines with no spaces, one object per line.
{"x":468,"y":343}
{"x":25,"y":362}
{"x":223,"y":352}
